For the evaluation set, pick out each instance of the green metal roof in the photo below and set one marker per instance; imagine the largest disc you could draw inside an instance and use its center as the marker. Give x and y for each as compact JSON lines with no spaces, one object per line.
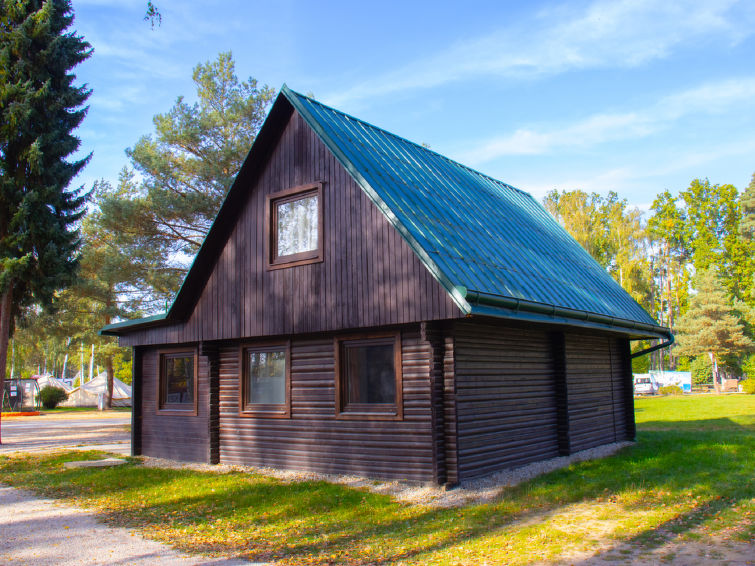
{"x":491,"y":245}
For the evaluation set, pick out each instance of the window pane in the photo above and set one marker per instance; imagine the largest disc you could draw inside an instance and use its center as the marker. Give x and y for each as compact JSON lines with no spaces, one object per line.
{"x":370,"y":373}
{"x":179,"y":380}
{"x":297,"y":228}
{"x":266,"y":378}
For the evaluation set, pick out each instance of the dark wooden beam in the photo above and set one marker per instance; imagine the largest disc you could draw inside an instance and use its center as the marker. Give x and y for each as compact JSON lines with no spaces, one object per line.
{"x":136,"y":401}
{"x":450,"y":424}
{"x":212,"y":352}
{"x":628,"y":387}
{"x":558,"y":350}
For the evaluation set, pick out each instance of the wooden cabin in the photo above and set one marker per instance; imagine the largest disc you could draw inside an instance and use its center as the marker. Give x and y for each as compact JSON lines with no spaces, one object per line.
{"x":364,"y":305}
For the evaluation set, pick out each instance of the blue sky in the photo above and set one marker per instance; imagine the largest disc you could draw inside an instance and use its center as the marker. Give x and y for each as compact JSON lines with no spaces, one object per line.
{"x":631,"y":96}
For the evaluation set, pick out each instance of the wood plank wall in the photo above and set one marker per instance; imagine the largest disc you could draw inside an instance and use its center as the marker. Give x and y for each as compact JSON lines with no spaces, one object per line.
{"x":506,"y":401}
{"x":313,"y":439}
{"x":596,"y":381}
{"x":369,"y":277}
{"x":174,"y":436}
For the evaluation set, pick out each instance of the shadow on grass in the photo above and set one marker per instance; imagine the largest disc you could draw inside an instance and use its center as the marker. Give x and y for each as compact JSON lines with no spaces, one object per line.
{"x":264,"y":519}
{"x":654,"y":538}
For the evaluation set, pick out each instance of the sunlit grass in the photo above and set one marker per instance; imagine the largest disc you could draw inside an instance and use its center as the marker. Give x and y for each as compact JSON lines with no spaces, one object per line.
{"x":690,"y":475}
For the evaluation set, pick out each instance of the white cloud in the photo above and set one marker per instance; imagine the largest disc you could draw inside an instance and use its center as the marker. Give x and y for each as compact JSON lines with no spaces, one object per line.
{"x":605,"y":34}
{"x":602,"y":128}
{"x":633,"y":180}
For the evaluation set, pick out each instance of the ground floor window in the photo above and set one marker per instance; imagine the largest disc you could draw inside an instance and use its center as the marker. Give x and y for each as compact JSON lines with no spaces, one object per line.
{"x":178,"y":381}
{"x":265,"y":380}
{"x":368,"y":376}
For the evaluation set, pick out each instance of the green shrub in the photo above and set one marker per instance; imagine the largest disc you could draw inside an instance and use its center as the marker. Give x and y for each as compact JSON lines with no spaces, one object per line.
{"x":51,"y":396}
{"x":670,"y":390}
{"x":748,"y":386}
{"x":702,"y":370}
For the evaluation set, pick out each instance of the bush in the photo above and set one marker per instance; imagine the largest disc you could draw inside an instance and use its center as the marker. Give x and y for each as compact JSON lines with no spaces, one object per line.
{"x":702,"y":370}
{"x":51,"y":396}
{"x":670,"y":390}
{"x":748,"y":386}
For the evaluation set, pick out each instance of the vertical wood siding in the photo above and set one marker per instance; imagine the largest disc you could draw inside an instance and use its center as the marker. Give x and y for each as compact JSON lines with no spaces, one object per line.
{"x":369,"y":277}
{"x":312,"y":438}
{"x":174,"y":436}
{"x":505,"y":397}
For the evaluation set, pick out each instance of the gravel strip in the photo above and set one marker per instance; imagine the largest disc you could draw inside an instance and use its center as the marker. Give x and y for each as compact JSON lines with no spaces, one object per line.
{"x":43,"y":532}
{"x":474,"y":491}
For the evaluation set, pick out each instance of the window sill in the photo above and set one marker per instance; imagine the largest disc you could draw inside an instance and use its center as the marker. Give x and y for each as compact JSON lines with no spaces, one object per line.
{"x":189,"y":411}
{"x":382,"y":414}
{"x":294,"y":260}
{"x":282,"y":413}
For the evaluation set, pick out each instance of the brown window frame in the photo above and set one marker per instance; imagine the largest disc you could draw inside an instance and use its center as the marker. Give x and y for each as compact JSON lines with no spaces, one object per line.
{"x":271,"y":411}
{"x":274,"y":261}
{"x":369,"y":411}
{"x":178,"y":409}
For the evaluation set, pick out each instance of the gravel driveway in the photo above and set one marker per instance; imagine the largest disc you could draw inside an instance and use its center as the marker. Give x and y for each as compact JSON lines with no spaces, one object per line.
{"x":41,"y":532}
{"x":95,"y":430}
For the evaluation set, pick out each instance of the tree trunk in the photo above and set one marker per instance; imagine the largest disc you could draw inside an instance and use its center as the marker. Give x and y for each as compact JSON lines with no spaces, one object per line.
{"x":5,"y":320}
{"x":716,"y":385}
{"x":109,"y":358}
{"x":109,"y":369}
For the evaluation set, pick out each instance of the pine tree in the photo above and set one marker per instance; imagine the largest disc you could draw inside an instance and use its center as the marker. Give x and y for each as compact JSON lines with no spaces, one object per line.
{"x":185,"y":169}
{"x":709,"y":327}
{"x":39,"y":109}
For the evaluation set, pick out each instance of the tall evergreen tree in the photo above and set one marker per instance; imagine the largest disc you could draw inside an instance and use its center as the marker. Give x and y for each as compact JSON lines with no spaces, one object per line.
{"x":709,"y":327}
{"x":39,"y":108}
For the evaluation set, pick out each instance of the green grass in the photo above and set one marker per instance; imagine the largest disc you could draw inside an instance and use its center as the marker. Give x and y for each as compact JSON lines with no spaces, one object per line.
{"x":689,"y":476}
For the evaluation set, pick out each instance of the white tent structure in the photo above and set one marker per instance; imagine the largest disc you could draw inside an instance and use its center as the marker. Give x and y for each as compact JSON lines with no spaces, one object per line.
{"x":88,"y":394}
{"x":45,"y":380}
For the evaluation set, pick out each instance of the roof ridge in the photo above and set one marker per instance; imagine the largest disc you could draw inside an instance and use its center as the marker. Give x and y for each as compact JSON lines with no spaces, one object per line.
{"x":403,"y":139}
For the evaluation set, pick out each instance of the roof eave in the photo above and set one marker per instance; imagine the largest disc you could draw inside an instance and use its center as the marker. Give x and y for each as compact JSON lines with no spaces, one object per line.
{"x":485,"y":304}
{"x":127,"y":326}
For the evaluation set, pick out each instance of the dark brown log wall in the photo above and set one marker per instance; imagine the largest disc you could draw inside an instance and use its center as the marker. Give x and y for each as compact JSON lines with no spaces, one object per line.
{"x":312,"y":438}
{"x":177,"y":437}
{"x":506,"y":401}
{"x":369,"y":277}
{"x":596,"y":381}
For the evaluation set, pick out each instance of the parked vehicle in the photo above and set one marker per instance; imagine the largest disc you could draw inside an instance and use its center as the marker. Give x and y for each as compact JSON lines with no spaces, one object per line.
{"x":645,"y":386}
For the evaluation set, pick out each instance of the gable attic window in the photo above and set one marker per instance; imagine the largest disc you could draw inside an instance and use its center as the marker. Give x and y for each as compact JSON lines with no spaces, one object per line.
{"x":368,"y":377}
{"x":294,"y":226}
{"x":178,"y":382}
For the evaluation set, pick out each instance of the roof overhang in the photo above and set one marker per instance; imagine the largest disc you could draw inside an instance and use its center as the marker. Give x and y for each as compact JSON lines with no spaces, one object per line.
{"x":486,"y":304}
{"x":128,"y":326}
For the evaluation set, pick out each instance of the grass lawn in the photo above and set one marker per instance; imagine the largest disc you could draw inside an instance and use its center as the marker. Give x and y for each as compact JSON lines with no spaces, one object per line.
{"x":689,"y":477}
